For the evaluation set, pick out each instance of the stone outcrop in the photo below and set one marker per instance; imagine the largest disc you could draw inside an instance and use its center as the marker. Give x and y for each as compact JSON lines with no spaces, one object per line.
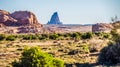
{"x":6,"y":19}
{"x":4,"y":12}
{"x":54,"y":19}
{"x":102,"y":27}
{"x":18,"y":18}
{"x":25,"y":18}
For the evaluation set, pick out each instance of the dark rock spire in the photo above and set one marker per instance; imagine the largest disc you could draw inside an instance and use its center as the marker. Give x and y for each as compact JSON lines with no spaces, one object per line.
{"x":55,"y":19}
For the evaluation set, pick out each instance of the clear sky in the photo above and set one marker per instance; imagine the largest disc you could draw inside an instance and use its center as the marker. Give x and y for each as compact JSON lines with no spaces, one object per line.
{"x":70,"y":11}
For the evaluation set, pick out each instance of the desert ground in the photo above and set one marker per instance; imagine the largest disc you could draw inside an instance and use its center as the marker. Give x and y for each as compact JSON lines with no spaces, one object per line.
{"x":74,"y":52}
{"x":45,"y":29}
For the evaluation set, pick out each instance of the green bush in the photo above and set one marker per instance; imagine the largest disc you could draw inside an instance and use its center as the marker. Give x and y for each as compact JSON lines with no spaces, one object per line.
{"x":44,"y":37}
{"x":67,"y":35}
{"x":98,"y":33}
{"x":59,"y":34}
{"x":2,"y":37}
{"x":83,"y":49}
{"x":103,"y":34}
{"x":53,"y":36}
{"x":34,"y":57}
{"x":106,"y":35}
{"x":58,"y":63}
{"x":79,"y":33}
{"x":75,"y":35}
{"x":114,"y":32}
{"x":10,"y":38}
{"x":29,"y":37}
{"x":87,"y":35}
{"x":115,"y":35}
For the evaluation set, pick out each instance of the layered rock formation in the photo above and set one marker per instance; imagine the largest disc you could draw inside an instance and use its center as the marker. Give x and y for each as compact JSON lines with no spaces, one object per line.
{"x":24,"y":18}
{"x":18,"y":18}
{"x":102,"y":27}
{"x":6,"y":19}
{"x":54,"y":19}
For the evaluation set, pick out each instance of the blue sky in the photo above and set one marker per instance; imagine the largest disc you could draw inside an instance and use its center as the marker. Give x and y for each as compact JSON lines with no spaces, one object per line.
{"x":70,"y":11}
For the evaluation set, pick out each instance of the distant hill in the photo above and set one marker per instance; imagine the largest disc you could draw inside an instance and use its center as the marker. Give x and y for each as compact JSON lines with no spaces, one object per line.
{"x":55,"y":19}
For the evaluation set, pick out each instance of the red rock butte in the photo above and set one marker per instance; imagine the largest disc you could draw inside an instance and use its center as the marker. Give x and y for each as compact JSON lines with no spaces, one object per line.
{"x":18,"y":18}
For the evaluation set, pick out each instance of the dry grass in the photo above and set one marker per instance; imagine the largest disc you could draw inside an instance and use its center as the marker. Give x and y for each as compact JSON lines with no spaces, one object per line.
{"x":9,"y":51}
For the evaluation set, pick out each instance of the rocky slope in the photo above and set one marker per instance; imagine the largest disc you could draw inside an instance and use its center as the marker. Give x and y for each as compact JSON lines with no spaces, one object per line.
{"x":55,"y":19}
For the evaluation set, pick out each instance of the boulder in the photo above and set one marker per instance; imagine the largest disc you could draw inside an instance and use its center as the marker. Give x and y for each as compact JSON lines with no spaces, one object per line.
{"x":54,"y":19}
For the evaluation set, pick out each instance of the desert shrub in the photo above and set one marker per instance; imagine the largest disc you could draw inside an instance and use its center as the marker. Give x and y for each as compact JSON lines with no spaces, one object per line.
{"x":87,"y":35}
{"x":10,"y":38}
{"x":53,"y":36}
{"x":67,"y":35}
{"x":34,"y":37}
{"x":26,"y":37}
{"x":29,"y":37}
{"x":75,"y":35}
{"x":83,"y":49}
{"x":98,"y":33}
{"x":59,"y":34}
{"x":58,"y":63}
{"x":95,"y":46}
{"x":110,"y":54}
{"x":34,"y":57}
{"x":79,"y":33}
{"x":106,"y":35}
{"x":113,"y":32}
{"x":20,"y":36}
{"x":115,"y":35}
{"x":2,"y":37}
{"x":44,"y":37}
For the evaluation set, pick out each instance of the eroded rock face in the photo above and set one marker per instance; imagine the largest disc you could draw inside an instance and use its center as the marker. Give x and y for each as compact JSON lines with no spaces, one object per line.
{"x":19,"y":18}
{"x":25,"y":18}
{"x":54,"y":19}
{"x":6,"y":19}
{"x":4,"y":12}
{"x":102,"y":27}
